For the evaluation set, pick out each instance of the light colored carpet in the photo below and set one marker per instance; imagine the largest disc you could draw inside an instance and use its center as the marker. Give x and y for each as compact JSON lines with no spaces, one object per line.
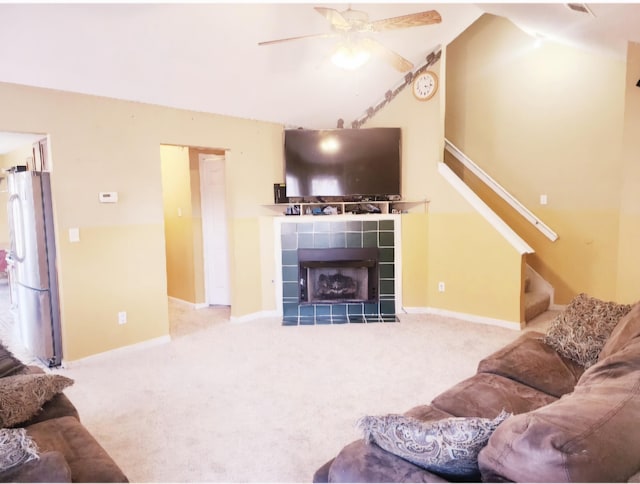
{"x":259,"y":402}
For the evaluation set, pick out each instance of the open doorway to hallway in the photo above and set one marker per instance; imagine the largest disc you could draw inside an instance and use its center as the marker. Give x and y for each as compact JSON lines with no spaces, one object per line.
{"x":196,"y":233}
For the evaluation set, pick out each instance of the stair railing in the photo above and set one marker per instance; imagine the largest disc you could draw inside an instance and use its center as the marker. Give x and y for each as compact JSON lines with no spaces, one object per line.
{"x":500,"y":191}
{"x":484,"y":210}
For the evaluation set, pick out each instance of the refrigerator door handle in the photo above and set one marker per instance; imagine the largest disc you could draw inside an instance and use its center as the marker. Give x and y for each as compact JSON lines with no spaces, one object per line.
{"x":17,"y":253}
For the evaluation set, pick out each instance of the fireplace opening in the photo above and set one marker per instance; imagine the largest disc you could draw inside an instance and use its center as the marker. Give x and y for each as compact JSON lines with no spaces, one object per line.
{"x":338,"y":275}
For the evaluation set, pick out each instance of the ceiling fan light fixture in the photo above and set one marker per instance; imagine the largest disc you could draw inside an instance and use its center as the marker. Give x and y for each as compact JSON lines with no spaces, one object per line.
{"x":350,"y":57}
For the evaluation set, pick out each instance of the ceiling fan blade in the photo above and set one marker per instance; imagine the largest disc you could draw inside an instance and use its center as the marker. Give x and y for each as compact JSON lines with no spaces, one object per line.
{"x":404,"y":21}
{"x":393,"y":58}
{"x":335,"y":17}
{"x":312,"y":36}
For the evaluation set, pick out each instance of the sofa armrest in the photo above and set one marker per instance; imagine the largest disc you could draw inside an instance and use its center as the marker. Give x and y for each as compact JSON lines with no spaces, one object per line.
{"x":361,"y":462}
{"x":86,"y":458}
{"x":49,"y":467}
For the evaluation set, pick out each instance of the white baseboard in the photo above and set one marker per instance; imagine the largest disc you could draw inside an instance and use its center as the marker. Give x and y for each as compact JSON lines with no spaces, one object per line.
{"x":254,"y":316}
{"x":187,"y":303}
{"x":473,"y":318}
{"x":122,"y":350}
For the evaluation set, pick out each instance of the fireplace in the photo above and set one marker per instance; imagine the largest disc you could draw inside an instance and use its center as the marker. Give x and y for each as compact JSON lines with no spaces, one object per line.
{"x":338,"y":275}
{"x":358,"y":257}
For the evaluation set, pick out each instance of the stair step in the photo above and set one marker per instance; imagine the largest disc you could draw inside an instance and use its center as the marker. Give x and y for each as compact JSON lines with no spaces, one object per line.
{"x":535,"y":303}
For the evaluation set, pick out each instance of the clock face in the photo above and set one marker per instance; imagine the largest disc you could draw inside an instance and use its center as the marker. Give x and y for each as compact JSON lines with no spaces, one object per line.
{"x":425,"y":85}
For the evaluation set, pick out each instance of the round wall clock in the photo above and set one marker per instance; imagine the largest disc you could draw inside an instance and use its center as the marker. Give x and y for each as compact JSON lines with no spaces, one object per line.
{"x":425,"y":85}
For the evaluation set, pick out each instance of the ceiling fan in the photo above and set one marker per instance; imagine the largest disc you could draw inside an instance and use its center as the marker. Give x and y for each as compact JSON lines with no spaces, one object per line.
{"x":353,"y":27}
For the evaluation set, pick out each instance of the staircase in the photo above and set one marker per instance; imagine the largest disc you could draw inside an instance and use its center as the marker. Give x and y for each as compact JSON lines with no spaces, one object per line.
{"x":538,"y":294}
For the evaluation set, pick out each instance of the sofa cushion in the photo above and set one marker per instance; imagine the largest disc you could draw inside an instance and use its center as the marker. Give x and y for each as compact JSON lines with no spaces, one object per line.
{"x":22,"y":396}
{"x":530,"y":361}
{"x":49,"y":467}
{"x":625,"y":331}
{"x":9,"y":364}
{"x":360,"y":462}
{"x":88,"y":461}
{"x":448,"y":447}
{"x":581,"y":330}
{"x":486,"y":395}
{"x":590,"y":435}
{"x":426,"y":413}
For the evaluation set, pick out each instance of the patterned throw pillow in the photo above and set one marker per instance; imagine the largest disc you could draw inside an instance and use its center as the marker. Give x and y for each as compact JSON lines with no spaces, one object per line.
{"x":22,"y":396}
{"x":581,"y":330}
{"x":16,"y":447}
{"x":449,"y":446}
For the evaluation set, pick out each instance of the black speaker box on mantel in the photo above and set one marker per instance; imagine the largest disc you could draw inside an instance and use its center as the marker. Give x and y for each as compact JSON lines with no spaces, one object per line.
{"x":280,"y":193}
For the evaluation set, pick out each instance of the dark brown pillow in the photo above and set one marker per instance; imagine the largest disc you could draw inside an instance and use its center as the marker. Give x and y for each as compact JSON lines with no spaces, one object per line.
{"x":22,"y":396}
{"x":581,"y":330}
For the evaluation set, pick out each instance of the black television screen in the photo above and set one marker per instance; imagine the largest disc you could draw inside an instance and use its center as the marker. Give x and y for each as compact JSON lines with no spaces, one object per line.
{"x":342,"y":162}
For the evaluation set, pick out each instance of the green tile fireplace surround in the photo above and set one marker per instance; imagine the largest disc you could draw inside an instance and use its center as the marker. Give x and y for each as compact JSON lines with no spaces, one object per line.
{"x":329,"y":232}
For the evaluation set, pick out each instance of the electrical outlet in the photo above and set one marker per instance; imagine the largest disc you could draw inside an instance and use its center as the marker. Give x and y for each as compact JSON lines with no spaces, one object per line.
{"x":441,"y":286}
{"x":122,"y":317}
{"x":543,"y":199}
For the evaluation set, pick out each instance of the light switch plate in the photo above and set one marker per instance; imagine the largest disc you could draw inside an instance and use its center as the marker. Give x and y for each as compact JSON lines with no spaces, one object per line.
{"x":74,"y":234}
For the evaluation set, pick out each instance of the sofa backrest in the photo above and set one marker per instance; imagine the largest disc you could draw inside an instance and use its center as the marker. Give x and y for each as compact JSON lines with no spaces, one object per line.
{"x":589,"y":435}
{"x":625,"y":331}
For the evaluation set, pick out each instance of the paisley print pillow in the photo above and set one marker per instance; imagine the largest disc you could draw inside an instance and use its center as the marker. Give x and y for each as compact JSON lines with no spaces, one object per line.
{"x":449,"y":446}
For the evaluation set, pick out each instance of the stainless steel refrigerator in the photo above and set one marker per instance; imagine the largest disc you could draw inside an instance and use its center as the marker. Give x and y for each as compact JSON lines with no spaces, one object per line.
{"x":32,"y":264}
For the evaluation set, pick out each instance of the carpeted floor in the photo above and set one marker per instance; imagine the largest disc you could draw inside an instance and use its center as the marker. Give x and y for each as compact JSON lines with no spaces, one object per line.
{"x":261,"y":402}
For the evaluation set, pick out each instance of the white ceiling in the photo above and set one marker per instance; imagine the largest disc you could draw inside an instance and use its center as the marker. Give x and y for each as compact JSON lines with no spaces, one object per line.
{"x":205,"y":56}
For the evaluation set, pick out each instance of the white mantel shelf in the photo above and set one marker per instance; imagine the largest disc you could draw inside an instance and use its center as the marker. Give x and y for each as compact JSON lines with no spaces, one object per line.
{"x":345,"y":209}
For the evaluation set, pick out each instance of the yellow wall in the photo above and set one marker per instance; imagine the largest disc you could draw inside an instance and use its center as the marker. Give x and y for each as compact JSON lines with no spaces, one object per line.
{"x":178,"y":223}
{"x":482,"y":272}
{"x":545,"y":120}
{"x":451,"y":243}
{"x":628,"y":267}
{"x":196,"y":224}
{"x":100,"y":144}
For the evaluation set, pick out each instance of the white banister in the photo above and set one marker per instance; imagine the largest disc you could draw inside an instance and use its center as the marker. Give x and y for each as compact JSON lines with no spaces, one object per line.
{"x":483,"y":209}
{"x":500,"y":191}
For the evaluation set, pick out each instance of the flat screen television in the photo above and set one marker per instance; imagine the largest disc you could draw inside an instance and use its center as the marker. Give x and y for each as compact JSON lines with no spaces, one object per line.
{"x":342,"y":162}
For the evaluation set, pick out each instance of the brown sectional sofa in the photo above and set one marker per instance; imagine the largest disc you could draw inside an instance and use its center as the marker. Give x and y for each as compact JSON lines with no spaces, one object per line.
{"x":568,"y":424}
{"x":67,"y":452}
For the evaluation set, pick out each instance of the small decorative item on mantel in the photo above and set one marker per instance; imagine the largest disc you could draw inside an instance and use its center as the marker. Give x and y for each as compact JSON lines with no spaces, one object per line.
{"x":293,"y":210}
